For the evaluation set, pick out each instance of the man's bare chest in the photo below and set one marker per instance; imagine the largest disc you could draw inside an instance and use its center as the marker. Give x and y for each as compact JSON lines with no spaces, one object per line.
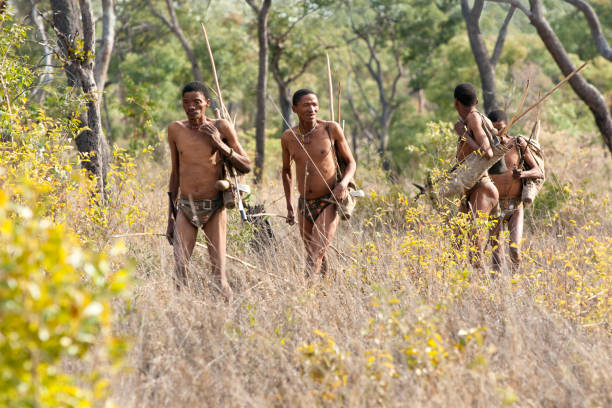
{"x":193,"y":145}
{"x":316,"y":149}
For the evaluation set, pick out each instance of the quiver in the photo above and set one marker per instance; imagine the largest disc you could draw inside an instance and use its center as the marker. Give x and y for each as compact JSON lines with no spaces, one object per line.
{"x":466,"y":174}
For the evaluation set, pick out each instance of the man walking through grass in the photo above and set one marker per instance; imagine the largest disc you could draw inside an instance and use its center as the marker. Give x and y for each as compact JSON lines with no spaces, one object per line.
{"x":481,"y":199}
{"x":313,"y":145}
{"x":198,"y":148}
{"x":510,"y":188}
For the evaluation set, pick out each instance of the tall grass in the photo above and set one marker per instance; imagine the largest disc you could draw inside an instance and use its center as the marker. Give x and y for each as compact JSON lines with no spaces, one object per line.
{"x":402,"y":320}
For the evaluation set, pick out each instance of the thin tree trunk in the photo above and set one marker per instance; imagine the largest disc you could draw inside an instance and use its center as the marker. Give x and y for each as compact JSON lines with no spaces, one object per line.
{"x":38,"y":94}
{"x":91,"y":143}
{"x":421,"y":100}
{"x":284,"y":95}
{"x":262,"y":84}
{"x":481,"y":55}
{"x":103,"y":54}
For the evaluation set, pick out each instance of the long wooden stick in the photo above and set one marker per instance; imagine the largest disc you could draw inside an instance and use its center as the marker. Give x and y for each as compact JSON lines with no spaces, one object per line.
{"x":331,"y":89}
{"x":339,"y":95}
{"x":546,"y":95}
{"x":214,"y":69}
{"x":518,"y":110}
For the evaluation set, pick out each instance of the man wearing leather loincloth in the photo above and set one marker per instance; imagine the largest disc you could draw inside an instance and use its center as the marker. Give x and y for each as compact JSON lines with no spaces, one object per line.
{"x":198,"y":147}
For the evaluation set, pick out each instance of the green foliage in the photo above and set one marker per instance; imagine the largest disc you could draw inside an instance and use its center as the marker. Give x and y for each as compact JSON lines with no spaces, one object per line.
{"x":15,"y":76}
{"x":55,"y":305}
{"x":55,"y":312}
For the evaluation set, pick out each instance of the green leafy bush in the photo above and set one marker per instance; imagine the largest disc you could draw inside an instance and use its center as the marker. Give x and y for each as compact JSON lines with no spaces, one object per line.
{"x":54,"y":305}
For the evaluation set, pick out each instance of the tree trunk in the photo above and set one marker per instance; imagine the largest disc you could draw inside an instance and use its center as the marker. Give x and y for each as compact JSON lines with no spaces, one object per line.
{"x":38,"y":94}
{"x":587,"y":92}
{"x":421,"y":100}
{"x":103,"y":54}
{"x":262,"y":84}
{"x":91,"y":143}
{"x":481,"y":55}
{"x":284,"y":95}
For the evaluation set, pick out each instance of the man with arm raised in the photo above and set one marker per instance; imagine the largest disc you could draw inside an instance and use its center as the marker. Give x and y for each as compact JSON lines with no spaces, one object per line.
{"x":198,"y":147}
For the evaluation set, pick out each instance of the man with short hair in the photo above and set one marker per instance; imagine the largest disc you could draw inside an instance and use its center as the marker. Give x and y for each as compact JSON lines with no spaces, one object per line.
{"x":198,"y":148}
{"x":482,"y":198}
{"x":312,"y":145}
{"x":510,"y":187}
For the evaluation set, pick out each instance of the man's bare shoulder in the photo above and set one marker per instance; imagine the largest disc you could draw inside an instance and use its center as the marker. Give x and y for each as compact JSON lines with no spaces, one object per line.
{"x":225,"y":128}
{"x":334,"y":128}
{"x":289,"y":134}
{"x":222,"y":124}
{"x":473,"y":118}
{"x":176,"y":128}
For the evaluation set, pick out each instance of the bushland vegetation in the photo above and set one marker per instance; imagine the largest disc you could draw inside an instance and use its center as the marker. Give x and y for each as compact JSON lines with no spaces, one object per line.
{"x":88,"y":312}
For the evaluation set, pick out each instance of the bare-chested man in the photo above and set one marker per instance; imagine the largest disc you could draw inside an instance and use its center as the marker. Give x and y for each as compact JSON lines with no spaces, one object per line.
{"x":311,"y":146}
{"x":482,"y":198}
{"x":510,"y":187}
{"x":198,"y":147}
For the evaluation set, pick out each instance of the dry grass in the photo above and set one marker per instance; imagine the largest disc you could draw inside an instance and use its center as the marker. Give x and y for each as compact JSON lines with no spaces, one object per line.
{"x":402,"y":320}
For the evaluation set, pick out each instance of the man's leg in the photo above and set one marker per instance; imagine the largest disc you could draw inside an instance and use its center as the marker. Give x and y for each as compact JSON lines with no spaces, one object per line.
{"x":322,"y":233}
{"x":482,"y":201}
{"x":184,"y":241}
{"x":306,"y":234}
{"x":515,"y":225}
{"x":216,"y":239}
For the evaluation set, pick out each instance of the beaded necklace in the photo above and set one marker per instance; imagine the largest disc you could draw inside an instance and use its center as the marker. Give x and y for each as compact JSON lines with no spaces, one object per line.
{"x":303,"y":136}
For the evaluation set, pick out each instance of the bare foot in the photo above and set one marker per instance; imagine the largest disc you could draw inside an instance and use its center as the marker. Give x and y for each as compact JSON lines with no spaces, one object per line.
{"x":228,"y":294}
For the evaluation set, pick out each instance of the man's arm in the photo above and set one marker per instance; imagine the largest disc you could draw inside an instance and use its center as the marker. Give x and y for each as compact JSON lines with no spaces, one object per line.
{"x":232,"y":148}
{"x":534,"y":170}
{"x":474,"y":123}
{"x":287,"y":178}
{"x":174,"y":180}
{"x":340,"y":190}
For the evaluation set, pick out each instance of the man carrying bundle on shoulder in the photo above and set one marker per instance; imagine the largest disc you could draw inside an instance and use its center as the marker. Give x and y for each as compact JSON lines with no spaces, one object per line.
{"x":199,"y":146}
{"x":312,"y":145}
{"x":510,"y":187}
{"x":481,"y":199}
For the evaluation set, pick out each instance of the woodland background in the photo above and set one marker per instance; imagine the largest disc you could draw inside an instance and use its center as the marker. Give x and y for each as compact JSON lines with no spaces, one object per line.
{"x":88,"y":316}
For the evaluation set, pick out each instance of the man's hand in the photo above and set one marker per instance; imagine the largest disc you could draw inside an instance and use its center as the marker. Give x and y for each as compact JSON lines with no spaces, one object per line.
{"x":211,"y":131}
{"x":170,"y":231}
{"x":340,"y":192}
{"x":516,"y":172}
{"x":290,"y":216}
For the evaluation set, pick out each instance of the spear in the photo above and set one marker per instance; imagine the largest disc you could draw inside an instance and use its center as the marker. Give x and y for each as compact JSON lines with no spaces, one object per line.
{"x":331,"y":89}
{"x":339,"y":94}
